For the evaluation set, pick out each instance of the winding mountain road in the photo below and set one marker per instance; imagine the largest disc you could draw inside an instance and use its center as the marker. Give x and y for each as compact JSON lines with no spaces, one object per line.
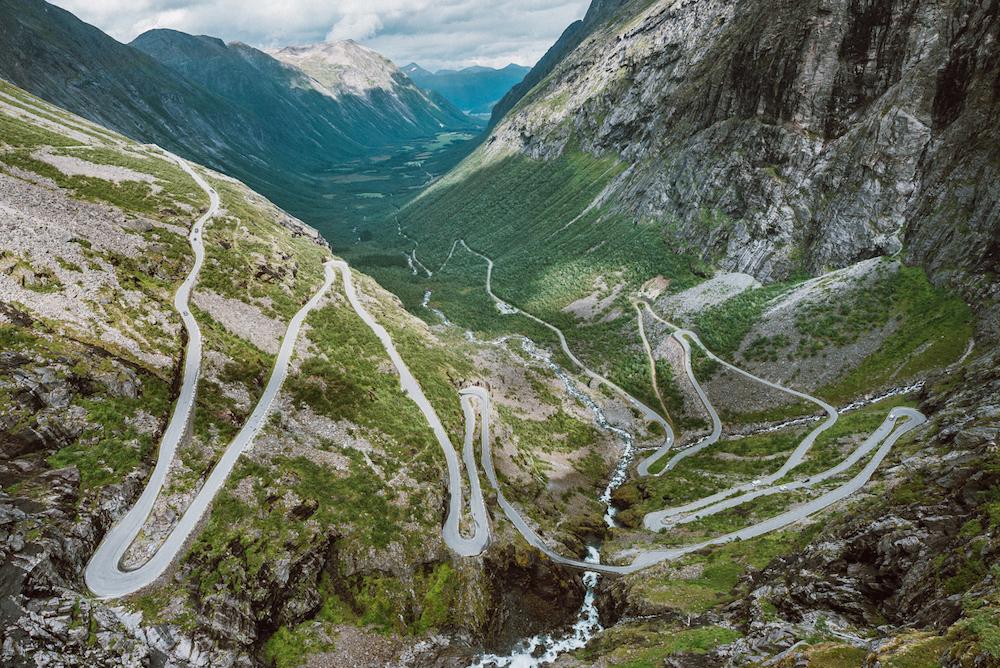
{"x":452,"y":534}
{"x":477,"y":400}
{"x":648,"y":413}
{"x":644,"y":466}
{"x":657,"y":520}
{"x":107,"y":579}
{"x":901,"y":420}
{"x":104,"y":575}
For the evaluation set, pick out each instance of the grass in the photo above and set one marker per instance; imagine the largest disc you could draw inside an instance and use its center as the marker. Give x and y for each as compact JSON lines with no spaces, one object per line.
{"x":560,"y":432}
{"x":917,"y":650}
{"x":360,"y":193}
{"x":22,"y":134}
{"x":834,"y":655}
{"x":835,"y":443}
{"x":30,"y":274}
{"x":699,"y":475}
{"x":647,"y":646}
{"x":513,"y":211}
{"x":278,"y":270}
{"x":109,"y":447}
{"x":38,"y":107}
{"x":377,"y":601}
{"x":439,"y":600}
{"x":723,"y":327}
{"x":933,"y":329}
{"x":243,"y":538}
{"x":720,"y":571}
{"x":136,"y":197}
{"x":176,"y":185}
{"x":978,"y":631}
{"x":349,"y":381}
{"x":709,"y":472}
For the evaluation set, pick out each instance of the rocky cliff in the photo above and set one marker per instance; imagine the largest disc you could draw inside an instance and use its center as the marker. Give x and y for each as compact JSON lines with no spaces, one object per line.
{"x":777,"y":137}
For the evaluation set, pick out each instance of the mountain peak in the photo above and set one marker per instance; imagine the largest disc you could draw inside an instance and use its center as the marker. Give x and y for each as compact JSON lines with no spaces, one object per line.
{"x":176,"y":38}
{"x":412,"y":68}
{"x":342,"y":67}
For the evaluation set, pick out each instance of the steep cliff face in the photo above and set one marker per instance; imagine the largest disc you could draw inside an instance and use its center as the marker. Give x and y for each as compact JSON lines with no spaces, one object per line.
{"x":598,"y":12}
{"x":776,"y":136}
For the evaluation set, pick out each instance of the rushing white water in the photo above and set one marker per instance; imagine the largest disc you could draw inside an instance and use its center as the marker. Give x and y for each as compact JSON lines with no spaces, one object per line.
{"x":628,"y":452}
{"x":545,"y":648}
{"x":853,"y":406}
{"x":426,"y":303}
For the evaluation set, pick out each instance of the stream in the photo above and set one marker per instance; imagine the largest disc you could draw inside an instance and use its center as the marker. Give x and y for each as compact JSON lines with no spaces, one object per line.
{"x":544,"y":648}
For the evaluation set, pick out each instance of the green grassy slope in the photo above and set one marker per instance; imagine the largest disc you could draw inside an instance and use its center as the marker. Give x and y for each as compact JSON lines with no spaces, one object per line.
{"x":514,"y":211}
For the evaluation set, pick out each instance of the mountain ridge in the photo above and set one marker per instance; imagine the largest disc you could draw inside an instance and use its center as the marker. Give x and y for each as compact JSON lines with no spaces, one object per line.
{"x":474,"y":89}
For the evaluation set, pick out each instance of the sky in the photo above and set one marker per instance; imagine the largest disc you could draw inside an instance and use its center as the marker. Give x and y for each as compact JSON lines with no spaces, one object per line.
{"x":433,"y":33}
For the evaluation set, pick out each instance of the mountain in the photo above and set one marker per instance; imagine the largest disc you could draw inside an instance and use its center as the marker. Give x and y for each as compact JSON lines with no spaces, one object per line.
{"x":811,"y":188}
{"x":599,"y":12}
{"x":750,"y":163}
{"x":232,"y":107}
{"x":296,"y":105}
{"x":49,"y":51}
{"x":348,"y":70}
{"x":474,"y":90}
{"x":714,"y":309}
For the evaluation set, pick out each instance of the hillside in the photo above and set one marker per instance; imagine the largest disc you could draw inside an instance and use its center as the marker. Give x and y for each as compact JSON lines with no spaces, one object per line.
{"x":230,"y":107}
{"x":474,"y":90}
{"x":694,"y":362}
{"x":743,"y":127}
{"x":621,"y":163}
{"x":328,"y":535}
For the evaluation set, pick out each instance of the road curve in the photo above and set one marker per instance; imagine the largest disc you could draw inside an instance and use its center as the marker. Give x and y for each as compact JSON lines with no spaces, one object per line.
{"x":863,"y":450}
{"x":451,"y":532}
{"x":645,"y":558}
{"x":647,"y":412}
{"x":885,"y":436}
{"x":102,"y":572}
{"x":651,"y":359}
{"x":643,"y":468}
{"x":104,"y":575}
{"x":657,"y":520}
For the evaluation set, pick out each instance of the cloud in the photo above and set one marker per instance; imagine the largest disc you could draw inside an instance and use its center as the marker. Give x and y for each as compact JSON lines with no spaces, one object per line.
{"x":355,"y":26}
{"x":434,"y":33}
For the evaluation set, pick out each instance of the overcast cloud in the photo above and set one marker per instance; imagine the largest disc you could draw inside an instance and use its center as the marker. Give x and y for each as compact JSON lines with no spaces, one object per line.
{"x":433,"y":33}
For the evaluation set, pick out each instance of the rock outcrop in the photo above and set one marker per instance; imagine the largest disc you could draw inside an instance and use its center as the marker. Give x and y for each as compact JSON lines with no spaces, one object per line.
{"x":776,"y":136}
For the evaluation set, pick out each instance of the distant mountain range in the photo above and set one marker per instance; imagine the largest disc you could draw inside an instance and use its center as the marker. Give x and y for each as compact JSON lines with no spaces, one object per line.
{"x":474,"y":90}
{"x":259,"y":117}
